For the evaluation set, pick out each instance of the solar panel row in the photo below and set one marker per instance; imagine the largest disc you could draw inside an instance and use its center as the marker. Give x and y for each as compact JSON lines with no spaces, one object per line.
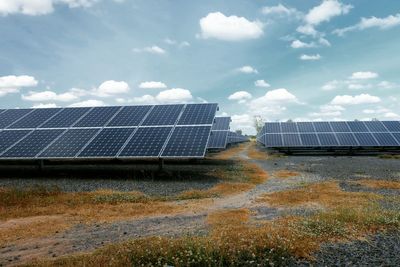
{"x":107,"y":132}
{"x":234,"y":137}
{"x":219,"y":134}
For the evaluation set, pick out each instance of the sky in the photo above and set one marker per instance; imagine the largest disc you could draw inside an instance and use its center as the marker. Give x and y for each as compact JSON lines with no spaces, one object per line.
{"x":304,"y":60}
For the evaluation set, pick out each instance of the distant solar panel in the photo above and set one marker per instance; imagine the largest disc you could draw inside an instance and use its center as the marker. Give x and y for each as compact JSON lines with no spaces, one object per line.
{"x":322,"y":127}
{"x":327,"y":140}
{"x":385,"y":139}
{"x":289,"y":127}
{"x":375,"y":126}
{"x":357,"y":126}
{"x":392,"y":126}
{"x":291,"y":140}
{"x":306,"y":127}
{"x":218,"y":139}
{"x":273,"y":127}
{"x":8,"y":138}
{"x":309,"y":139}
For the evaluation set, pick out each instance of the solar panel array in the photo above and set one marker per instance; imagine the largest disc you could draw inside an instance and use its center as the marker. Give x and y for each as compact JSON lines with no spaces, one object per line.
{"x":158,"y":131}
{"x":331,"y":134}
{"x":219,"y":133}
{"x":234,"y":137}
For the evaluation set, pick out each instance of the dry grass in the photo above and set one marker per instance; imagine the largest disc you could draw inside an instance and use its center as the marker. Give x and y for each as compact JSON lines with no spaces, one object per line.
{"x":254,"y":153}
{"x":327,"y":194}
{"x":285,"y":174}
{"x":231,"y":152}
{"x":228,"y":217}
{"x":379,"y":184}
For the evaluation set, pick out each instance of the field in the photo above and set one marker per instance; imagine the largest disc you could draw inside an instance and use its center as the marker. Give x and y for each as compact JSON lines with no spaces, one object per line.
{"x":243,"y":207}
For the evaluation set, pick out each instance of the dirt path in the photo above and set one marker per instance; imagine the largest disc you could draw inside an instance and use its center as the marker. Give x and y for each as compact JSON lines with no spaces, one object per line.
{"x":83,"y":238}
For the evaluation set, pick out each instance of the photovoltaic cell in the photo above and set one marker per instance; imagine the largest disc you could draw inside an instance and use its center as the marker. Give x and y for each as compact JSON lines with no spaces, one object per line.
{"x":129,"y":116}
{"x":358,"y":127}
{"x":12,"y":115}
{"x":365,"y":139}
{"x":146,"y":142}
{"x":35,"y":118}
{"x":10,"y":137}
{"x":393,"y":126}
{"x":273,"y":127}
{"x":163,"y":115}
{"x":291,"y":140}
{"x":107,"y":143}
{"x":305,"y":127}
{"x":346,"y":139}
{"x":289,"y":127}
{"x":187,"y":142}
{"x":375,"y":126}
{"x":97,"y":117}
{"x":340,"y":127}
{"x":69,"y":144}
{"x":309,"y":139}
{"x":397,"y":136}
{"x":218,"y":139}
{"x":322,"y":127}
{"x":221,"y":124}
{"x":327,"y":139}
{"x":66,"y":118}
{"x":198,"y":114}
{"x":385,"y":139}
{"x":32,"y":144}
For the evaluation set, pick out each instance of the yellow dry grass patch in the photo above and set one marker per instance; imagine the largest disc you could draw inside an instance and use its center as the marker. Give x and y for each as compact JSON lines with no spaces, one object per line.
{"x":379,"y":184}
{"x":32,"y":227}
{"x":228,"y":217}
{"x":254,"y":153}
{"x":327,"y":194}
{"x":285,"y":174}
{"x":231,"y":152}
{"x":219,"y":190}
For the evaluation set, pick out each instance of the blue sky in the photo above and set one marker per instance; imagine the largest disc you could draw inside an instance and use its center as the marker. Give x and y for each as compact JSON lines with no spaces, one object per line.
{"x":290,"y":59}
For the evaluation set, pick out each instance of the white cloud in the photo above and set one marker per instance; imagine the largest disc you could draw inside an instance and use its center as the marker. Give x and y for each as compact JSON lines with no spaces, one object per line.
{"x":152,"y":85}
{"x":262,"y":83}
{"x":307,"y":30}
{"x":355,"y":100}
{"x":324,"y":42}
{"x":243,"y":122}
{"x":49,"y":96}
{"x":247,"y":70}
{"x":387,"y":85}
{"x":364,"y":75}
{"x":279,"y":95}
{"x":326,"y":11}
{"x":372,"y":22}
{"x":89,"y":103}
{"x":332,"y":85}
{"x":176,"y":43}
{"x":38,"y":7}
{"x":41,"y":105}
{"x":310,"y":57}
{"x":330,"y":111}
{"x":12,"y":84}
{"x":358,"y":86}
{"x":240,"y":96}
{"x":392,"y":116}
{"x":174,"y":95}
{"x":111,"y":87}
{"x":280,"y":10}
{"x":378,"y":110}
{"x":145,"y":99}
{"x":151,"y":49}
{"x":233,"y":28}
{"x":299,"y":44}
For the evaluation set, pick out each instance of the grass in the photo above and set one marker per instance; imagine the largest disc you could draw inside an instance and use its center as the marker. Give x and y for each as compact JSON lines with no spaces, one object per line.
{"x":389,"y":156}
{"x":285,"y":174}
{"x":379,"y":184}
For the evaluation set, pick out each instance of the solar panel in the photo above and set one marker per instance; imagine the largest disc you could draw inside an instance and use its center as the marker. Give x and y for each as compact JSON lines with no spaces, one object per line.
{"x":198,"y":114}
{"x":107,"y":143}
{"x":397,"y":137}
{"x":35,"y":118}
{"x":375,"y":126}
{"x":32,"y":144}
{"x":366,"y":139}
{"x":309,"y":139}
{"x":273,"y":140}
{"x":291,"y":140}
{"x":273,"y":127}
{"x":357,"y":126}
{"x":130,"y":116}
{"x":306,"y":127}
{"x":385,"y":139}
{"x":66,"y":118}
{"x":322,"y":127}
{"x":146,"y":142}
{"x":187,"y":141}
{"x":289,"y":127}
{"x":346,"y":139}
{"x":393,"y":126}
{"x":218,"y":139}
{"x":12,"y":115}
{"x":340,"y":127}
{"x":8,"y":138}
{"x":97,"y":117}
{"x":69,"y":144}
{"x":163,"y":115}
{"x":221,"y":124}
{"x":327,"y":139}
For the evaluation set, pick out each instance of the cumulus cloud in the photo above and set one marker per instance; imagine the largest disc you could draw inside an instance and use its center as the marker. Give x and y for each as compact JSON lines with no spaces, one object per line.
{"x":38,"y":7}
{"x":299,"y":44}
{"x":229,"y":28}
{"x":45,"y":96}
{"x":364,"y":75}
{"x":88,"y":103}
{"x":247,"y":70}
{"x":243,"y":122}
{"x":42,"y":105}
{"x":174,"y":95}
{"x":387,"y":85}
{"x":372,"y":22}
{"x":310,"y":57}
{"x":150,"y":49}
{"x":176,"y":43}
{"x":281,"y":10}
{"x":332,"y":85}
{"x":355,"y":100}
{"x":330,"y":111}
{"x":111,"y":87}
{"x":280,"y":95}
{"x":307,"y":30}
{"x":326,"y":11}
{"x":262,"y":83}
{"x":12,"y":84}
{"x":152,"y":85}
{"x":240,"y":96}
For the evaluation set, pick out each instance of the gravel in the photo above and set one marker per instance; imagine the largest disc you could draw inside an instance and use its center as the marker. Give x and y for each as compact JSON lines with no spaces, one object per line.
{"x":378,"y":250}
{"x":351,"y":187}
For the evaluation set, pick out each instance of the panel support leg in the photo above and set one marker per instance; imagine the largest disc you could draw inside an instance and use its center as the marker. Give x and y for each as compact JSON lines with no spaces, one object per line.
{"x":160,"y":164}
{"x":41,"y":165}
